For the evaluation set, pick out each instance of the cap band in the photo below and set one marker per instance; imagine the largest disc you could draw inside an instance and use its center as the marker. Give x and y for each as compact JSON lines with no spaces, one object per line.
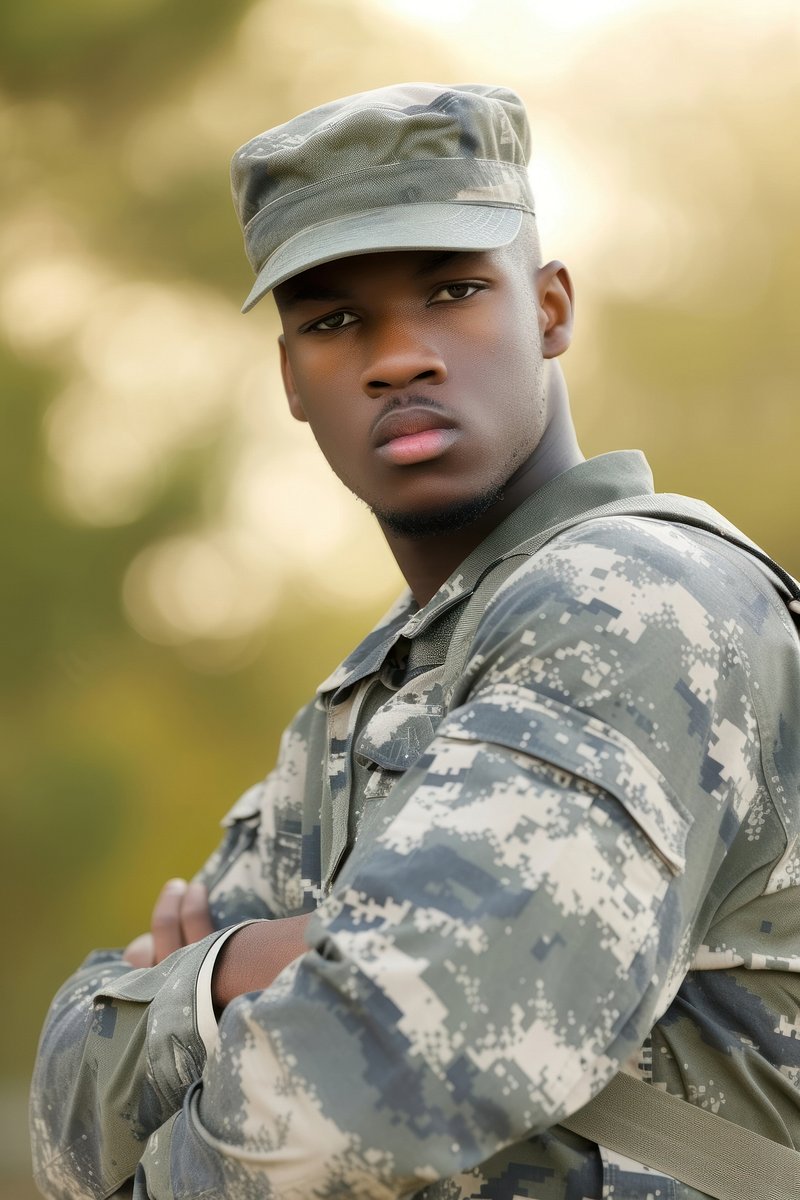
{"x":454,"y":181}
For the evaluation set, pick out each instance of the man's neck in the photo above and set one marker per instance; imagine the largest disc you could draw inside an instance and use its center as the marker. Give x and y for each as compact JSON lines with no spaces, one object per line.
{"x":427,"y":561}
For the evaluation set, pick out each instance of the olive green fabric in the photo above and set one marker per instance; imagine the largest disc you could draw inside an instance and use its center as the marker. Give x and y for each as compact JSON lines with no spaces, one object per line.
{"x":698,"y":1147}
{"x":416,"y":166}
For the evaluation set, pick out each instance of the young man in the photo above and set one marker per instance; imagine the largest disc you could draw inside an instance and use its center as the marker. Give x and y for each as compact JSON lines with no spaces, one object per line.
{"x":561,"y":773}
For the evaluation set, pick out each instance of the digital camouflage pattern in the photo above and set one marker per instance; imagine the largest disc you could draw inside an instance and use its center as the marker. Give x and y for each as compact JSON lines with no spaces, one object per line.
{"x":519,"y":842}
{"x":413,"y":166}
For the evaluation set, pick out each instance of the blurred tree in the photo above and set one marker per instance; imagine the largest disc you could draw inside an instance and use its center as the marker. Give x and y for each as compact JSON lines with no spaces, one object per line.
{"x":120,"y":757}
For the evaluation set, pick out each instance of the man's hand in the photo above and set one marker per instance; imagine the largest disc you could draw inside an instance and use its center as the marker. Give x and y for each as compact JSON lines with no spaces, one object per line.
{"x":181,"y":916}
{"x":250,"y":959}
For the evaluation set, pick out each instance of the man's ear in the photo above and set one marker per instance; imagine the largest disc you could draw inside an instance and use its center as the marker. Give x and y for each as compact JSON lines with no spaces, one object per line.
{"x":295,"y":405}
{"x":556,"y":308}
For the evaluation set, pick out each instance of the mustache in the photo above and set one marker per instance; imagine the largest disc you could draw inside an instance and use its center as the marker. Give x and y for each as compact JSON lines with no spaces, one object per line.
{"x":400,"y":400}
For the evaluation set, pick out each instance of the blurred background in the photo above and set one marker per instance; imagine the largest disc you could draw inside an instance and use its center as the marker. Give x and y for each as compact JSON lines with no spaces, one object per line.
{"x":179,"y":568}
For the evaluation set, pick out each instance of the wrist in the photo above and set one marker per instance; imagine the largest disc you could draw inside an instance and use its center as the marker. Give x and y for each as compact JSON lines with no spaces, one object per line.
{"x":254,"y":955}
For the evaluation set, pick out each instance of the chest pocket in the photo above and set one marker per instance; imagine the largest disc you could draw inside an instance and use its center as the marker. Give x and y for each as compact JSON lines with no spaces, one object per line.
{"x":398,"y":733}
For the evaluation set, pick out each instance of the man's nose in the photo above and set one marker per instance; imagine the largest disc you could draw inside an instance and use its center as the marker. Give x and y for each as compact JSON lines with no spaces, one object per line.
{"x":398,"y":357}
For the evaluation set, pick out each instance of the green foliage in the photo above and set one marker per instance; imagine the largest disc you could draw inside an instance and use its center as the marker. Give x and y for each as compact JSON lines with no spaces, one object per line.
{"x":106,"y":57}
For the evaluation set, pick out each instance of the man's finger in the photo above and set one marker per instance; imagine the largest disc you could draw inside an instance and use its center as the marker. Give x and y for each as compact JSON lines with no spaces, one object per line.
{"x":139,"y":952}
{"x":196,"y":920}
{"x":166,"y":920}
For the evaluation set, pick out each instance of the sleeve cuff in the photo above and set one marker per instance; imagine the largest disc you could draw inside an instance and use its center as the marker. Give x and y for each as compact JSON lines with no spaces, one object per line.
{"x":204,"y":1005}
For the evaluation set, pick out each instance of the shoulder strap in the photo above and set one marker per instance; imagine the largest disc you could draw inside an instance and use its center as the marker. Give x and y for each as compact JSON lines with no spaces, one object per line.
{"x":697,"y":1147}
{"x":661,"y":506}
{"x":683,"y":510}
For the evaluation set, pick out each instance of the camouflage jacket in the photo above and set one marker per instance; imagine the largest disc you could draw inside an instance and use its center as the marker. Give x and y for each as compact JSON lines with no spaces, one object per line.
{"x":564,"y":844}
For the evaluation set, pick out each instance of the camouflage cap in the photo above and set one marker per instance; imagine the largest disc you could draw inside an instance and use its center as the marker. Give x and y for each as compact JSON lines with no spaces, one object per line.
{"x":415,"y":166}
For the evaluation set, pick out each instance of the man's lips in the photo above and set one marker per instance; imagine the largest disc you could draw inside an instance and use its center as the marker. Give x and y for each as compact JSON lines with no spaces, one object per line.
{"x":411,"y":435}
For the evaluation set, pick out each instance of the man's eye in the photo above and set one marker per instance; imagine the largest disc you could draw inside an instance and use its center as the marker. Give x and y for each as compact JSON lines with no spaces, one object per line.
{"x":336,"y":320}
{"x":455,"y":291}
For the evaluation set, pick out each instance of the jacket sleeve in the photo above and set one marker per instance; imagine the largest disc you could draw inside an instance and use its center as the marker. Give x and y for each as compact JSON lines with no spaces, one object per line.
{"x":117,"y":1054}
{"x":524,"y":911}
{"x":120,"y":1047}
{"x":257,"y":870}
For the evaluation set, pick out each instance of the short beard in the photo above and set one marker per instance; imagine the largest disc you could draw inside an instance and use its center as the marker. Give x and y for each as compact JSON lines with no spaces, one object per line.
{"x":442,"y":520}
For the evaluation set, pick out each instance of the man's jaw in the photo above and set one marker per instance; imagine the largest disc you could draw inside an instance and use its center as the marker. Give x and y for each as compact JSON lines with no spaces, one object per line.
{"x":440,"y":521}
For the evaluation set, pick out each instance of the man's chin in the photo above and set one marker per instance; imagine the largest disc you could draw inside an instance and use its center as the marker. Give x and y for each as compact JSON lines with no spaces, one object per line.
{"x":436,"y":522}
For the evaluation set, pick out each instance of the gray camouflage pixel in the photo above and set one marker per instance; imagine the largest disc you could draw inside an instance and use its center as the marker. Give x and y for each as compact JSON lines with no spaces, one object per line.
{"x":519,"y":847}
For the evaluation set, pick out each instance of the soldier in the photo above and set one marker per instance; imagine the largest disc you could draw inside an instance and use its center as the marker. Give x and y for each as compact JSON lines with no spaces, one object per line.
{"x":541,"y":825}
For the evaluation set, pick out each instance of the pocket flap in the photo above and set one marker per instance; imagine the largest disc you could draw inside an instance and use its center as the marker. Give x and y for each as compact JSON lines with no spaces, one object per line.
{"x":397,"y":734}
{"x":583,"y":745}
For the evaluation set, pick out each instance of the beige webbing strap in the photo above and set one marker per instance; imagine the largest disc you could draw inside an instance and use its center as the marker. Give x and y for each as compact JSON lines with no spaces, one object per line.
{"x":697,"y":1147}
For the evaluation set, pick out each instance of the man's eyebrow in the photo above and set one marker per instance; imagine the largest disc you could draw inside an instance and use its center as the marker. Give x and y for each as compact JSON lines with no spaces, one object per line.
{"x":309,"y":292}
{"x":438,"y":260}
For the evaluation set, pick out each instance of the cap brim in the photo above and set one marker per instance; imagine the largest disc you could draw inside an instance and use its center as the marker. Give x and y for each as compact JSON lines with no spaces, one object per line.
{"x":436,"y":226}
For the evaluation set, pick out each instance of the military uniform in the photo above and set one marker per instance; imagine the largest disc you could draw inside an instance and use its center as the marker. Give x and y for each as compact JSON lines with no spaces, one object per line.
{"x":520,"y":833}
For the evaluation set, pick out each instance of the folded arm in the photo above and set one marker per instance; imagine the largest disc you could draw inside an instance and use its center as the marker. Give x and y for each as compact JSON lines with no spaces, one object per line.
{"x":526,"y":912}
{"x":508,"y":937}
{"x":479,"y":975}
{"x":121,"y":1046}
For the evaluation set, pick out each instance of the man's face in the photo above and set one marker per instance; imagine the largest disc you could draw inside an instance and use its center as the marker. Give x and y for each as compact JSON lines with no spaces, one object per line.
{"x":421,"y":375}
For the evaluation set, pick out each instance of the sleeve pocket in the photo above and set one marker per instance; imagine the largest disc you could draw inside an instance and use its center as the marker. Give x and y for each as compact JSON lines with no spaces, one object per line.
{"x":581,"y":744}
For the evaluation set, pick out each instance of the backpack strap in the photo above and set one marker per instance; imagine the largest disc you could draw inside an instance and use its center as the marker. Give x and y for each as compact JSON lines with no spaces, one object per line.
{"x":697,"y":1147}
{"x":662,"y":506}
